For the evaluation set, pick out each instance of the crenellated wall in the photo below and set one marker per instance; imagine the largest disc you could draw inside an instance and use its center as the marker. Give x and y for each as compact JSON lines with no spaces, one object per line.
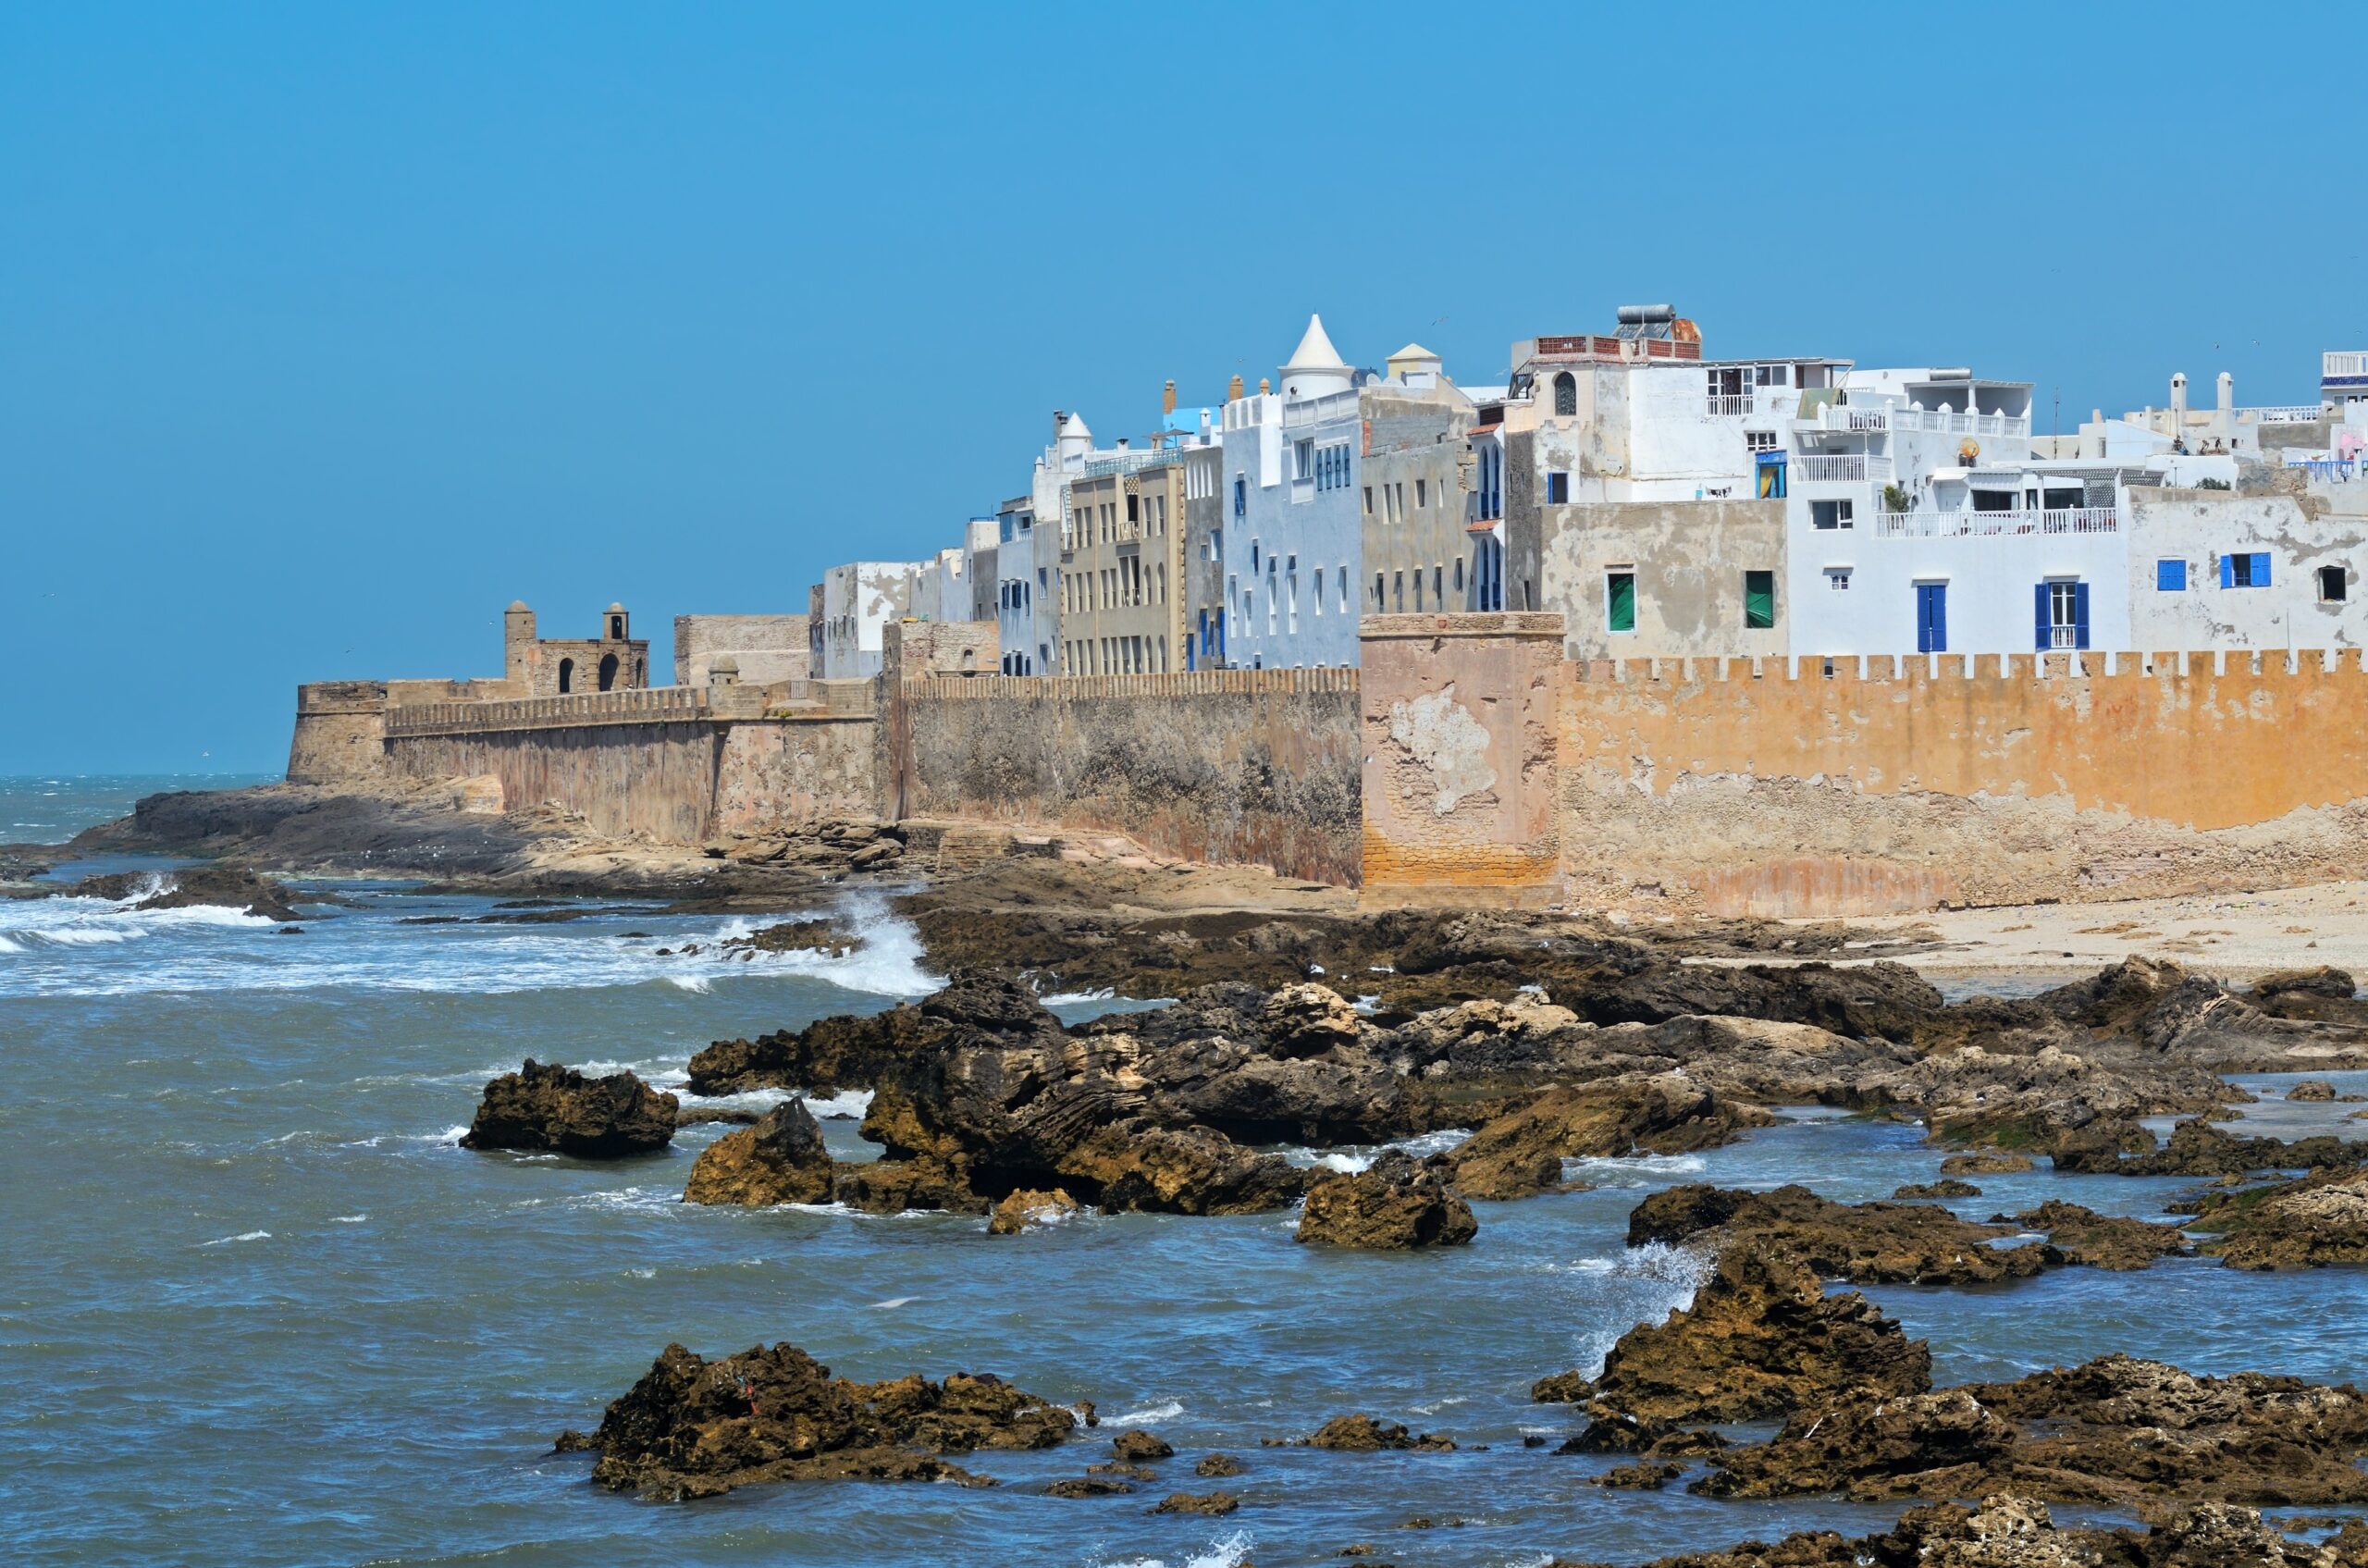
{"x":1951,"y":779}
{"x":340,"y":734}
{"x":1784,"y":787}
{"x":1233,"y":765}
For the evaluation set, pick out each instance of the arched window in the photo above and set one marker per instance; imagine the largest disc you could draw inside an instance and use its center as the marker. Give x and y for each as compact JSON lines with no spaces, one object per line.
{"x":566,"y":676}
{"x":1566,"y":394}
{"x":607,"y":672}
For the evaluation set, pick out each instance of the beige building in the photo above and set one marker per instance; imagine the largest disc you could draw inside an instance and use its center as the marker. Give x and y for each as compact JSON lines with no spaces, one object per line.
{"x":1415,"y":474}
{"x":1122,"y":567}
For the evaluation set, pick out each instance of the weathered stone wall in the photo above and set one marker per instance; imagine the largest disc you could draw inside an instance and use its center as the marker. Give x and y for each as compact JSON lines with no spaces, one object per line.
{"x":767,"y":647}
{"x":1231,"y":766}
{"x":653,"y":778}
{"x":788,"y":771}
{"x":1703,"y":787}
{"x":340,"y":734}
{"x":1459,"y":757}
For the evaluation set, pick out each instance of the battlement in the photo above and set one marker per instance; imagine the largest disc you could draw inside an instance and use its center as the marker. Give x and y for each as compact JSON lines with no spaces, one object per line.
{"x":651,"y":705}
{"x":1183,"y":682}
{"x":1933,"y":667}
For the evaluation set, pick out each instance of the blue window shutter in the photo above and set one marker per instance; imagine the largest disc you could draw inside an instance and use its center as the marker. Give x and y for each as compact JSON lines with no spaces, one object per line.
{"x":2170,"y":576}
{"x":2260,"y":570}
{"x":2228,"y":571}
{"x":2040,"y":638}
{"x":2080,"y":614}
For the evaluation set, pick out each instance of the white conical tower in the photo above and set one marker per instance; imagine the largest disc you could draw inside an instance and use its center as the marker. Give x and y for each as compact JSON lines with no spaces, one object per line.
{"x":1316,"y":367}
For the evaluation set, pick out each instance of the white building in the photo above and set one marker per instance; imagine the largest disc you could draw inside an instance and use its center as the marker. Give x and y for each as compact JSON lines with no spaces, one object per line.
{"x":850,"y":606}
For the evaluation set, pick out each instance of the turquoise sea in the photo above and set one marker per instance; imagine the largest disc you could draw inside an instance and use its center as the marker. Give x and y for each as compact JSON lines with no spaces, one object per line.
{"x":257,"y":1307}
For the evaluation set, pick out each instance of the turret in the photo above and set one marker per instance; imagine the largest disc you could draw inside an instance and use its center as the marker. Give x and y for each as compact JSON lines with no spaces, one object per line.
{"x":517,"y":640}
{"x":616,"y":625}
{"x":1315,"y":368}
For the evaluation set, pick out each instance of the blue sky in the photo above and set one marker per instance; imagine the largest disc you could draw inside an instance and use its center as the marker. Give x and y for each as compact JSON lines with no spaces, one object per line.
{"x":327,"y":330}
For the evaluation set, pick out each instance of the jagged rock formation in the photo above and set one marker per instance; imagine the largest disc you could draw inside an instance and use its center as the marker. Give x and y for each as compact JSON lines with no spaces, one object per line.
{"x":545,"y":1106}
{"x":1522,"y":1152}
{"x":779,"y":1160}
{"x":692,"y":1427}
{"x":1396,"y":1202}
{"x":1865,"y":1244}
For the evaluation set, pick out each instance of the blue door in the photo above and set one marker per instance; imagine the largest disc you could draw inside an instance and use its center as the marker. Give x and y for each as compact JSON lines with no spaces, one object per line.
{"x":1932,"y":617}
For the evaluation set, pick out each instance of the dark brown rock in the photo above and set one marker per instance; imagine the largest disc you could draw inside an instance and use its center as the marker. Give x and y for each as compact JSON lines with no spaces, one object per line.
{"x":1865,"y":1244}
{"x":1397,"y":1203}
{"x":692,"y":1427}
{"x":1760,"y":1339}
{"x":1209,"y":1504}
{"x":2115,"y":1431}
{"x":1522,"y":1152}
{"x":1089,"y":1485}
{"x":1947,"y":1187}
{"x":1029,"y":1208}
{"x":1217,"y":1465}
{"x":2082,"y":1236}
{"x":2308,"y":1223}
{"x":554,"y":1107}
{"x":1136,"y":1446}
{"x":209,"y":886}
{"x":1985,"y":1165}
{"x":1363,"y":1434}
{"x":779,"y":1160}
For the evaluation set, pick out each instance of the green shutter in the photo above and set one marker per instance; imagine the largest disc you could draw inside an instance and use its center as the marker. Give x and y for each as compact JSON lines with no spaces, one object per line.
{"x":1759,"y":600}
{"x":1623,"y":601}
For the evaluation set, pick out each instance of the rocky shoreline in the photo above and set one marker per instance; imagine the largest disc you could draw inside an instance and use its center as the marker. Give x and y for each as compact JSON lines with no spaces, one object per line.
{"x":1387,"y":1082}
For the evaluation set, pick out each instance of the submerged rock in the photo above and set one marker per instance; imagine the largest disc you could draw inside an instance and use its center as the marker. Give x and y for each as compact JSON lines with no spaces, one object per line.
{"x":2311,"y":1088}
{"x":1985,"y":1165}
{"x":1029,"y":1208}
{"x":547,"y":1107}
{"x":2115,"y":1431}
{"x":207,"y":886}
{"x":692,"y":1427}
{"x":1522,"y":1152}
{"x":1363,"y":1434}
{"x":1759,"y":1340}
{"x":1947,"y":1187}
{"x":1395,"y":1202}
{"x":779,"y":1160}
{"x":796,"y":936}
{"x":2034,"y":1103}
{"x":1865,"y":1244}
{"x":2198,"y":1148}
{"x":2308,"y":1223}
{"x":2082,"y":1236}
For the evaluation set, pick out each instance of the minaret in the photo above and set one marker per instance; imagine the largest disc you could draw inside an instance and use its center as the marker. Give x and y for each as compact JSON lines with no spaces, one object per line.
{"x":1316,"y":367}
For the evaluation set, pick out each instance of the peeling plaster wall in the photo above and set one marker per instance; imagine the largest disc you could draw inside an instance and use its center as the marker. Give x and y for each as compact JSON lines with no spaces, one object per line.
{"x":1688,"y":557}
{"x":1459,"y":757}
{"x":2198,"y":527}
{"x":1779,"y":795}
{"x":1226,"y":766}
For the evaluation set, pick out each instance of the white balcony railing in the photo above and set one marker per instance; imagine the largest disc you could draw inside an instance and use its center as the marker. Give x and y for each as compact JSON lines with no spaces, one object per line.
{"x":1961,"y":423}
{"x":2283,"y":414}
{"x":1847,"y":467}
{"x":1961,"y":525}
{"x":2344,"y":362}
{"x":1730,"y":405}
{"x":1840,"y":418}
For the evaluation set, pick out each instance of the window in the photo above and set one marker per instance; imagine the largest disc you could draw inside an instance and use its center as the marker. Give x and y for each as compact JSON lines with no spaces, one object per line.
{"x":1378,"y":603}
{"x":1759,"y":440}
{"x":1932,"y":617}
{"x":1830,"y":514}
{"x":1422,"y":493}
{"x":1303,"y":457}
{"x":1344,"y":590}
{"x":1317,"y":583}
{"x":2170,"y":576}
{"x":1566,"y":395}
{"x":1134,"y":507}
{"x":1368,"y":500}
{"x":2245,"y":571}
{"x":2331,"y":584}
{"x":1557,"y":488}
{"x":1459,"y":574}
{"x":1620,"y":597}
{"x":1418,"y":590}
{"x":1838,"y":578}
{"x":2060,"y":613}
{"x":1759,"y":600}
{"x":1397,"y":585}
{"x":1240,"y":495}
{"x":1438,"y":598}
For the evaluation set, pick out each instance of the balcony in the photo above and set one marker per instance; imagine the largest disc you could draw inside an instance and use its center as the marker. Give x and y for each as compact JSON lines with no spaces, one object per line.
{"x":1730,"y":405}
{"x":1841,"y":417}
{"x":1965,"y":525}
{"x":1843,"y":468}
{"x":1946,"y":424}
{"x":2283,"y":413}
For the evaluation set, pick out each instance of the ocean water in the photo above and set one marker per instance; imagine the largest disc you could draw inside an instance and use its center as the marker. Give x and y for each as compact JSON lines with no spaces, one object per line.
{"x":257,"y":1306}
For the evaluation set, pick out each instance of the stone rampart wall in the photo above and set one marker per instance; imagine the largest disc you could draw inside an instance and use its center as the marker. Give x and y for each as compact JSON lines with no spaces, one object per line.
{"x":341,"y":733}
{"x":1709,"y":786}
{"x":1231,"y":766}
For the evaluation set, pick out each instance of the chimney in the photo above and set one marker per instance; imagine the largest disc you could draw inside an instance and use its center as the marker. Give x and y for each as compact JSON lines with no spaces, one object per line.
{"x":2227,"y":402}
{"x":1167,"y":398}
{"x":1233,"y":388}
{"x":1264,"y":387}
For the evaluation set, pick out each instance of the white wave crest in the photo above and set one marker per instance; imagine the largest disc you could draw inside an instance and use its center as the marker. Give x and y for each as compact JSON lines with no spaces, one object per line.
{"x":242,"y":1235}
{"x":1231,"y":1551}
{"x":697,"y":984}
{"x":1150,"y":1416}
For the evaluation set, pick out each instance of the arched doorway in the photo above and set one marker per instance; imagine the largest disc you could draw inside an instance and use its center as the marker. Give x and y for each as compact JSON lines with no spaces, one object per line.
{"x":566,"y":676}
{"x":607,"y":672}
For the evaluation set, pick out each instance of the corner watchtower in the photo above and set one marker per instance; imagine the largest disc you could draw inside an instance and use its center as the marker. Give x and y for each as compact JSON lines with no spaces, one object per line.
{"x":517,"y":641}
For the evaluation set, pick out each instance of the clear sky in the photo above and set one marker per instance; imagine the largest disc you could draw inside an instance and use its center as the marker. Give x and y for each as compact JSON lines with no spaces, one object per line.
{"x":325,"y":330}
